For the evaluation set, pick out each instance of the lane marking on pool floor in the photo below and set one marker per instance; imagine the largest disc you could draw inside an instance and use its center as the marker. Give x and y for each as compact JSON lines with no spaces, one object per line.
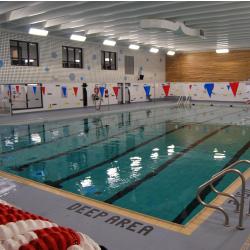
{"x":79,"y":173}
{"x":20,"y":168}
{"x":58,"y":182}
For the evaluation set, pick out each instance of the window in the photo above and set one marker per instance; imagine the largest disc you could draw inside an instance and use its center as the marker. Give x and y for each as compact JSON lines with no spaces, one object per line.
{"x":24,"y":53}
{"x":129,"y":65}
{"x":108,"y":60}
{"x":71,"y":57}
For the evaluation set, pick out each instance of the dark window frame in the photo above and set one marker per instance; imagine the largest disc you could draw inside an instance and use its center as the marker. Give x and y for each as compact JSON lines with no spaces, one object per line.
{"x":108,"y":65}
{"x":17,"y":61}
{"x":67,"y":63}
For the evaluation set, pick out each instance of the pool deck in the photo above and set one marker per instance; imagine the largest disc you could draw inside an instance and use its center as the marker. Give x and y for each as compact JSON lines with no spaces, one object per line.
{"x":117,"y":228}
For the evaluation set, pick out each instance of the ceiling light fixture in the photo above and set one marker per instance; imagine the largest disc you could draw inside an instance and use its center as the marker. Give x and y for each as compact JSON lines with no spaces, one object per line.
{"x":109,"y":42}
{"x":78,"y":38}
{"x":154,"y":50}
{"x":132,"y":46}
{"x":222,"y":50}
{"x":171,"y":53}
{"x":38,"y":32}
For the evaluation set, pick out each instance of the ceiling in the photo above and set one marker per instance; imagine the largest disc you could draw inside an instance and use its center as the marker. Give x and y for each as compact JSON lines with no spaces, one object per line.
{"x":226,"y":24}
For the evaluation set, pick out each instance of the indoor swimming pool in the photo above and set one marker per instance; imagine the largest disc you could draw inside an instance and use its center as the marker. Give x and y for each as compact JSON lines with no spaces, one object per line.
{"x":150,"y":161}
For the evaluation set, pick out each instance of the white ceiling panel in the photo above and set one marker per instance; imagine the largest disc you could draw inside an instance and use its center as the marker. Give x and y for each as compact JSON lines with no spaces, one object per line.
{"x":226,"y":23}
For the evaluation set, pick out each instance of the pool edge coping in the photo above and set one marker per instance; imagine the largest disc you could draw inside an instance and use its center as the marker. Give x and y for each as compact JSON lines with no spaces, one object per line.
{"x":187,"y":229}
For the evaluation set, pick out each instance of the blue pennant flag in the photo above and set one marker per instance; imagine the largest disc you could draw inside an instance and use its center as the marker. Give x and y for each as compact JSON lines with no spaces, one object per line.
{"x":9,"y":88}
{"x":209,"y":87}
{"x":102,"y":90}
{"x":64,"y":89}
{"x":228,"y":87}
{"x":34,"y":89}
{"x":147,"y":90}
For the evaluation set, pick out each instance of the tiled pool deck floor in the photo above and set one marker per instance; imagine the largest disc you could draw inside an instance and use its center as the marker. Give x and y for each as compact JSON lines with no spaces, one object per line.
{"x":120,"y":229}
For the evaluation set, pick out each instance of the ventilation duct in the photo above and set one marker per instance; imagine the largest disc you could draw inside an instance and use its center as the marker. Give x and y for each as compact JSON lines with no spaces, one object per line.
{"x":178,"y":28}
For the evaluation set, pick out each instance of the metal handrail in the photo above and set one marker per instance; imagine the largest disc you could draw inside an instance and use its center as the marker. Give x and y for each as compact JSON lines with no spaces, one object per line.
{"x":241,"y":204}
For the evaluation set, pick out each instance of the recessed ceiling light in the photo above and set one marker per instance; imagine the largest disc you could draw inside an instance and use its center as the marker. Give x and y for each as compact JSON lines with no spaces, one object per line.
{"x":109,"y":42}
{"x":132,"y":46}
{"x":222,"y":50}
{"x":78,"y":38}
{"x":171,"y":53}
{"x":38,"y":32}
{"x":154,"y":50}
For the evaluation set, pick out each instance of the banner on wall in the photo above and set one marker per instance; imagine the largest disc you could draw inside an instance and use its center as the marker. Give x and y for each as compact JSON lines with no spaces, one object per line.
{"x":43,"y":90}
{"x":116,"y":91}
{"x":34,"y":89}
{"x":102,"y":90}
{"x":166,"y":89}
{"x":209,"y":87}
{"x":17,"y":89}
{"x":75,"y":90}
{"x":234,"y":86}
{"x":147,"y":90}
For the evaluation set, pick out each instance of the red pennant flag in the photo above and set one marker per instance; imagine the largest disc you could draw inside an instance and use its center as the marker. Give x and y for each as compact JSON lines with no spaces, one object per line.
{"x":43,"y":90}
{"x":116,"y":91}
{"x":75,"y":90}
{"x":166,"y":89}
{"x":17,"y":89}
{"x":234,"y":87}
{"x":190,"y":86}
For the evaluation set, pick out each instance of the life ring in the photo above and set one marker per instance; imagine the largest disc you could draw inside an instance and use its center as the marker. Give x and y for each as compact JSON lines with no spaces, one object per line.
{"x":96,"y":90}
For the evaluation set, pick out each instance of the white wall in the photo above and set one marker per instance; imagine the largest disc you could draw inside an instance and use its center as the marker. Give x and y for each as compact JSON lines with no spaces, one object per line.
{"x":151,"y":65}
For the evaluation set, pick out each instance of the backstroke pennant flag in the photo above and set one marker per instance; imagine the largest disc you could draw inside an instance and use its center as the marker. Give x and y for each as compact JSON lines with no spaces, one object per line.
{"x":234,"y":87}
{"x":209,"y":87}
{"x":17,"y":89}
{"x":190,"y":86}
{"x":34,"y":89}
{"x":147,"y":90}
{"x":75,"y":90}
{"x":43,"y":90}
{"x":228,"y":87}
{"x":116,"y":91}
{"x":9,"y":88}
{"x":166,"y":89}
{"x":102,"y":90}
{"x":64,"y":89}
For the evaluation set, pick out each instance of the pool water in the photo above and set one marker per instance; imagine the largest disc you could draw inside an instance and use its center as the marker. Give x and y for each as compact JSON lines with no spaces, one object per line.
{"x":149,"y":161}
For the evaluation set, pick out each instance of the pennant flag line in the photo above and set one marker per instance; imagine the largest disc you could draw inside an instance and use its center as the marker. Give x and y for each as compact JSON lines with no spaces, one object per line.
{"x":34,"y":89}
{"x":228,"y":87}
{"x":147,"y":90}
{"x":102,"y":90}
{"x":116,"y":91}
{"x":17,"y":89}
{"x":234,"y":87}
{"x":190,"y":86}
{"x":75,"y":90}
{"x":166,"y":89}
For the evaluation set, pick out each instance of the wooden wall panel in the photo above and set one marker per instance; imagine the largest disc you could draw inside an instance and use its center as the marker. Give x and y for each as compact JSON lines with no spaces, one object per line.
{"x":208,"y":66}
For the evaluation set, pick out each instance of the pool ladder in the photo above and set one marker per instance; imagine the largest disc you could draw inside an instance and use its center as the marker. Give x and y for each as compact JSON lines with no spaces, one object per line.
{"x":239,"y":206}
